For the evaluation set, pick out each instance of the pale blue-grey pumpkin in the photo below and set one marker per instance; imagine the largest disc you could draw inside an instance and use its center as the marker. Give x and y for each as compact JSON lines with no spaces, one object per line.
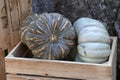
{"x":93,"y":40}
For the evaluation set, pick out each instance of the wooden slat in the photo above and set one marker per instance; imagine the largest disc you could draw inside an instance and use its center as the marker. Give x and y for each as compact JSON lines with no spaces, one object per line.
{"x":58,"y":69}
{"x":17,"y":10}
{"x":2,"y":66}
{"x":12,"y":13}
{"x":25,"y":77}
{"x":25,"y":8}
{"x":4,"y":33}
{"x":114,"y":59}
{"x":55,"y":68}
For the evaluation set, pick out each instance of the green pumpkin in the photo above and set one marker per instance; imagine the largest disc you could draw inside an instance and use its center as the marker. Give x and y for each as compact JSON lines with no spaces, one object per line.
{"x":48,"y":35}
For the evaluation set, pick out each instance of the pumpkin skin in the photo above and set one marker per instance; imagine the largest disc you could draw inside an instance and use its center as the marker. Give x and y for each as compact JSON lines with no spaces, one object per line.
{"x":93,"y":41}
{"x":90,"y":60}
{"x":48,"y":35}
{"x":94,"y":37}
{"x":87,"y":22}
{"x":92,"y":50}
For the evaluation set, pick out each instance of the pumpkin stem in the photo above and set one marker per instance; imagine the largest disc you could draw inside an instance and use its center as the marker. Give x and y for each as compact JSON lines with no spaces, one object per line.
{"x":53,"y":38}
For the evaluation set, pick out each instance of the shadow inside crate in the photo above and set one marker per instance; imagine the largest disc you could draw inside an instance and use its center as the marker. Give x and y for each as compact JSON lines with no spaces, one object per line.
{"x":24,"y":52}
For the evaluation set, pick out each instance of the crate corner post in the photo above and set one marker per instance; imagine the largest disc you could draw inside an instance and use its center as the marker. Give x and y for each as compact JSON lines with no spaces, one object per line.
{"x":2,"y":66}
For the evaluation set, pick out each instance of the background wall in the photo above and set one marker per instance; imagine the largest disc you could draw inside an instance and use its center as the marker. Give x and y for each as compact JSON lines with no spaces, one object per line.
{"x":105,"y":11}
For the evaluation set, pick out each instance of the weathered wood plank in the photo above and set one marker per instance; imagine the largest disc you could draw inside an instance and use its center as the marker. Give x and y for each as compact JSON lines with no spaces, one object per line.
{"x":25,"y":77}
{"x":58,"y":69}
{"x":17,"y":10}
{"x":2,"y":66}
{"x":4,"y":33}
{"x":12,"y":13}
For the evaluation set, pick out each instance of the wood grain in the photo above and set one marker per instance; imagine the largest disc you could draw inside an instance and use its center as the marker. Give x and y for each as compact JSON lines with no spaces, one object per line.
{"x":12,"y":13}
{"x":17,"y":10}
{"x":25,"y":77}
{"x":2,"y":66}
{"x":4,"y":33}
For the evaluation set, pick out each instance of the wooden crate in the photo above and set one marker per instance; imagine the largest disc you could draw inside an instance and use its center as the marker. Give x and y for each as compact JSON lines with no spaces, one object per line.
{"x":21,"y":68}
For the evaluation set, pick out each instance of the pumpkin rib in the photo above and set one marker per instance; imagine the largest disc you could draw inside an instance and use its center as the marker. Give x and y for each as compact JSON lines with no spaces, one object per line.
{"x":39,"y":50}
{"x":90,"y":60}
{"x":40,"y":28}
{"x":56,"y":50}
{"x":23,"y":34}
{"x":63,"y":26}
{"x":48,"y":20}
{"x":68,"y":35}
{"x":80,"y":28}
{"x":94,"y":37}
{"x":82,"y":22}
{"x":44,"y":22}
{"x":54,"y":25}
{"x":35,"y":38}
{"x":94,"y":46}
{"x":94,"y":54}
{"x":68,"y":42}
{"x":34,"y":31}
{"x":49,"y":53}
{"x":92,"y":57}
{"x":93,"y":29}
{"x":62,"y":43}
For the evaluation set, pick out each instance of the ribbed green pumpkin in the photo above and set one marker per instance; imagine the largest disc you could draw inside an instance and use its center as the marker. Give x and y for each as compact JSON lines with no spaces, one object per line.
{"x":48,"y":35}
